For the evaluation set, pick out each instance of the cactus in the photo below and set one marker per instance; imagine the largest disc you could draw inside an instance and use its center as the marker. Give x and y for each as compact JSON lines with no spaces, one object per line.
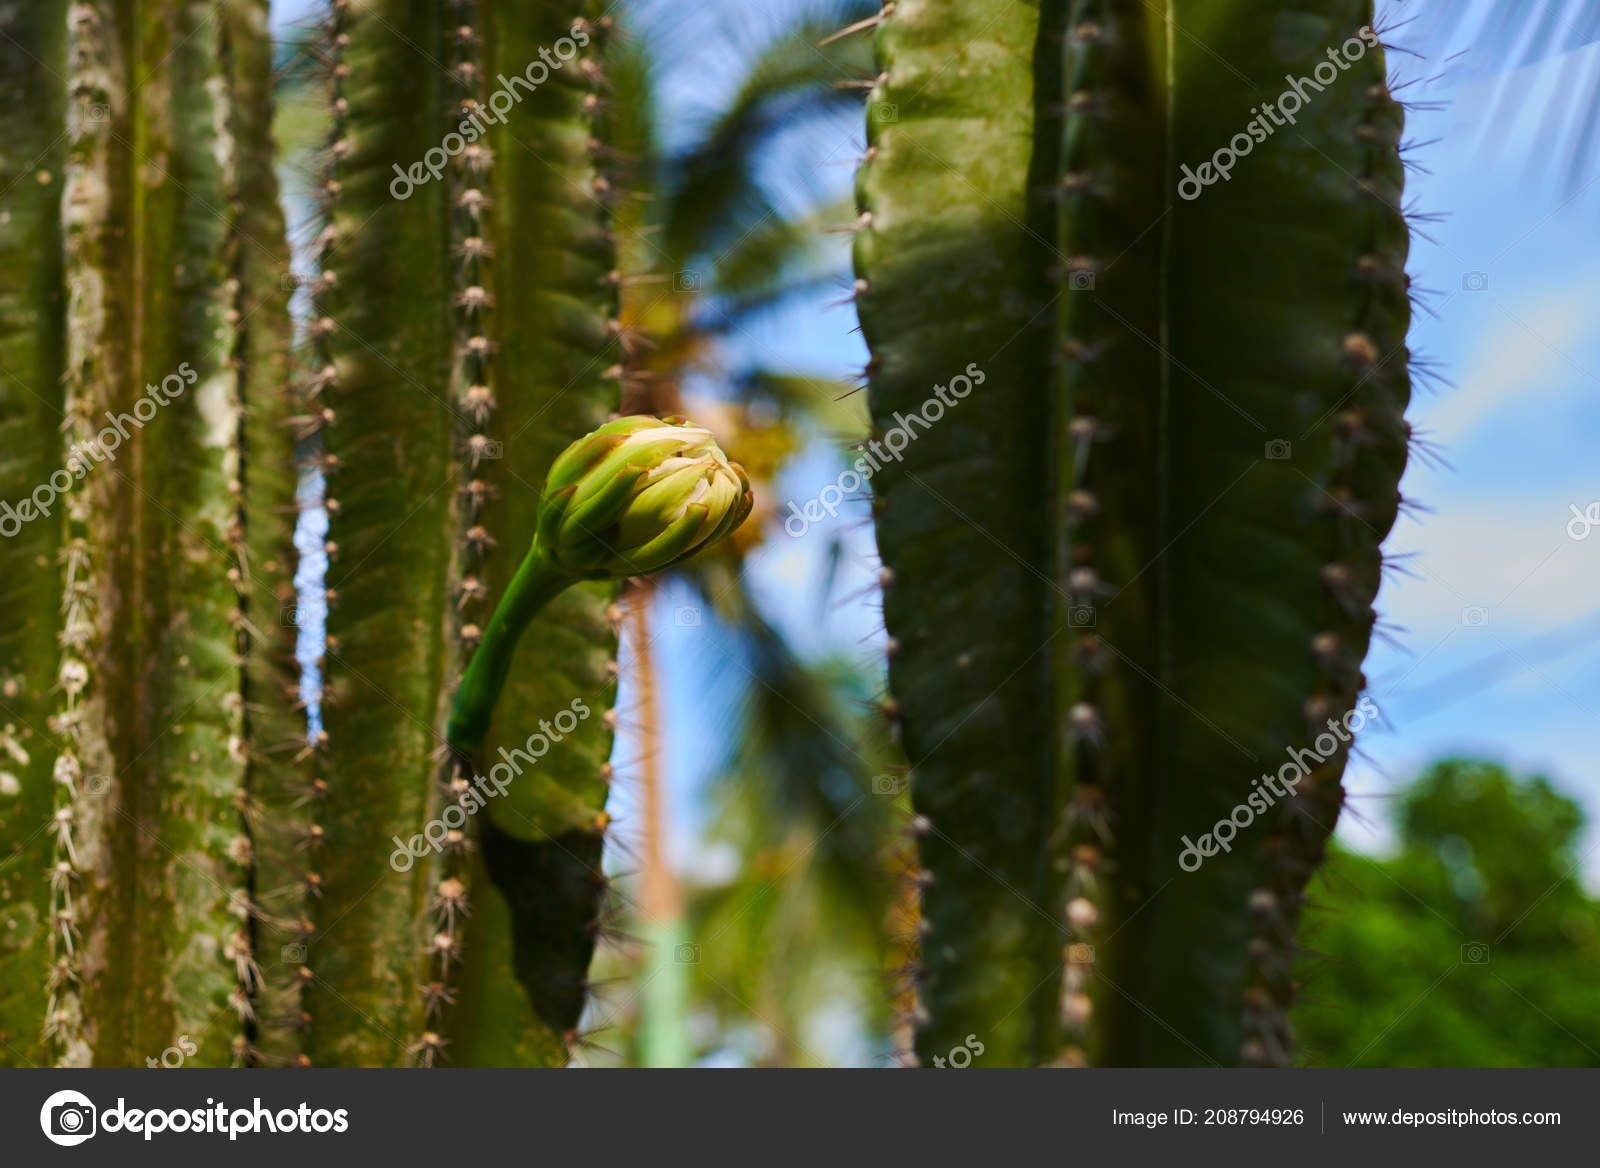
{"x":1134,"y":562}
{"x":1129,"y":563}
{"x":434,"y":357}
{"x":179,"y":858}
{"x":383,"y":347}
{"x":140,"y":326}
{"x":555,"y":367}
{"x":479,"y":956}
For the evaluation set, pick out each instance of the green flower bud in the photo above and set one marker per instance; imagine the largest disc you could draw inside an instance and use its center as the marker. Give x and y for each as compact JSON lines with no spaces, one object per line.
{"x":639,"y":495}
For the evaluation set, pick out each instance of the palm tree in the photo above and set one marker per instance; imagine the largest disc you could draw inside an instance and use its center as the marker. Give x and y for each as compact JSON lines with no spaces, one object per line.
{"x":1518,"y":34}
{"x":721,"y":250}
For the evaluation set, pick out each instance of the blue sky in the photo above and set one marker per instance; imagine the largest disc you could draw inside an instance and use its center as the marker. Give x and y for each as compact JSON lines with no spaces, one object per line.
{"x":1500,"y":617}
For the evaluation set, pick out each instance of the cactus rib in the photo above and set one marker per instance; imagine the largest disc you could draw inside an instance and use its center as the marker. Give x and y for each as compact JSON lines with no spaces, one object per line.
{"x":950,"y":284}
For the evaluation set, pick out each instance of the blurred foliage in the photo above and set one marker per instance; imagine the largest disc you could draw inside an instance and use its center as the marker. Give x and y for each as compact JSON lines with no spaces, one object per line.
{"x":809,"y":802}
{"x":789,"y":927}
{"x":1474,"y":946}
{"x":1493,"y":41}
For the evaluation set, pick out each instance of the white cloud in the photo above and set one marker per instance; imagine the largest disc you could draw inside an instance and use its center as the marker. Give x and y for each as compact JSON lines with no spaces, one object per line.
{"x":1517,"y":562}
{"x":1530,"y":352}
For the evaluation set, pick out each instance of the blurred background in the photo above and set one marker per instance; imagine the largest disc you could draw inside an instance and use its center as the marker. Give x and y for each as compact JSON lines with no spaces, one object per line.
{"x":761,"y":806}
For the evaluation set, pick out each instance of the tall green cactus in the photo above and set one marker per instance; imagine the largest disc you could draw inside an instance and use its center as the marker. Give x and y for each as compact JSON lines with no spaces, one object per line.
{"x":1130,"y":556}
{"x":464,"y":329}
{"x":178,"y":860}
{"x":1133,"y":566}
{"x":556,"y":375}
{"x":139,"y":323}
{"x":383,"y":347}
{"x":951,"y":278}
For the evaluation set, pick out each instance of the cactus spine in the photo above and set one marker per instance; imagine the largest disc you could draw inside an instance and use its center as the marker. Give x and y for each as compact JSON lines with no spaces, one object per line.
{"x":1194,"y":595}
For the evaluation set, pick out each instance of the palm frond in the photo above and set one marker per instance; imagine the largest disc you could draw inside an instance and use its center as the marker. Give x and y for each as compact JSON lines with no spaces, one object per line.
{"x":775,"y":259}
{"x":1493,"y":41}
{"x":715,"y":194}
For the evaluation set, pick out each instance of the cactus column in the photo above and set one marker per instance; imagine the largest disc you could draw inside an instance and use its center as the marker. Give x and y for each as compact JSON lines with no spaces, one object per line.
{"x":464,"y":333}
{"x":1218,"y":461}
{"x":953,"y":276}
{"x":132,"y":330}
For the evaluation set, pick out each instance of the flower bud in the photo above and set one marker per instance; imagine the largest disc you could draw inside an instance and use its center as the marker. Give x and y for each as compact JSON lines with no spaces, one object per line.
{"x":639,"y":495}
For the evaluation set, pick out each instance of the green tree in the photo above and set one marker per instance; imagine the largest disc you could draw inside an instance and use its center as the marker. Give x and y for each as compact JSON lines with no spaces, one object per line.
{"x":1473,"y":946}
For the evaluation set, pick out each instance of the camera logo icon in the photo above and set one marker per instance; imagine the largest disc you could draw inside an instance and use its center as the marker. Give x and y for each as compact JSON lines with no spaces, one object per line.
{"x":68,"y":1118}
{"x":294,"y":953}
{"x":686,"y":954}
{"x":1475,"y":953}
{"x":686,"y":281}
{"x":1475,"y":282}
{"x":1081,"y":616}
{"x":1279,"y":450}
{"x":889,"y":785}
{"x":686,"y":617}
{"x":1081,"y":281}
{"x":1475,"y":616}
